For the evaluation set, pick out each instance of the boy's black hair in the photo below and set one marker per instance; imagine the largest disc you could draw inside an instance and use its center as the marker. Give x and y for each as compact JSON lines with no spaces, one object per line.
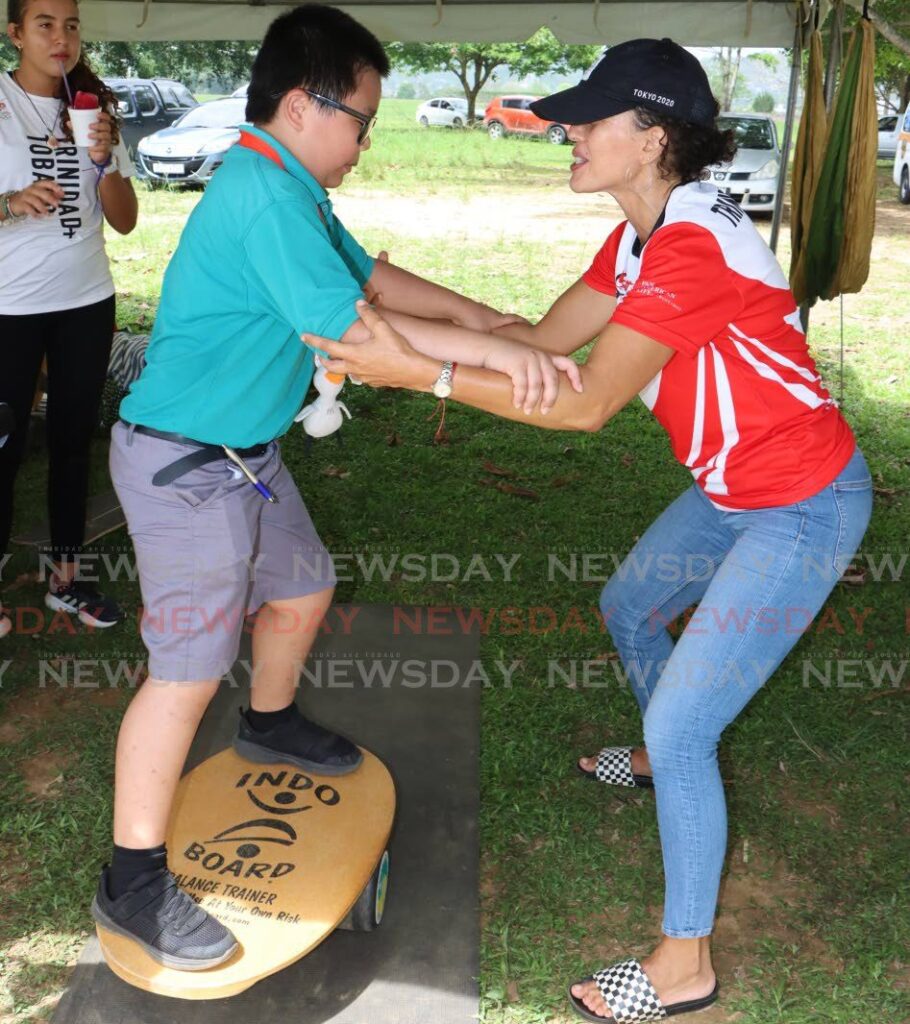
{"x":312,"y":47}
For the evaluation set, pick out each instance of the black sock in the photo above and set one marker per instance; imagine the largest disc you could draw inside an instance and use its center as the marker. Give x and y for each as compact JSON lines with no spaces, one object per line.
{"x":262,"y":721}
{"x":128,"y":864}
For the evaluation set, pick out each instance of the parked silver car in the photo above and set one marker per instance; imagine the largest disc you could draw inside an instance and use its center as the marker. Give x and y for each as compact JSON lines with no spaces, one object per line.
{"x":889,"y":131}
{"x":191,"y":150}
{"x":751,"y":178}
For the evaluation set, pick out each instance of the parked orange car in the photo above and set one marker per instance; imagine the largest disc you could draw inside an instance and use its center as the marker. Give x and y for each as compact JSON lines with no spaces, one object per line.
{"x":506,"y":115}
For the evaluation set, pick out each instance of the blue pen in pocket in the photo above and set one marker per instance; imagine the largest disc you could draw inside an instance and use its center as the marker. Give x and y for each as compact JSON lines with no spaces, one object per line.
{"x":250,"y":475}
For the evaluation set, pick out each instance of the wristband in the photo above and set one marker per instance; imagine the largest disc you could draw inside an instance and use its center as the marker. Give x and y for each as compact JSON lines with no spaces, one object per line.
{"x":102,"y":169}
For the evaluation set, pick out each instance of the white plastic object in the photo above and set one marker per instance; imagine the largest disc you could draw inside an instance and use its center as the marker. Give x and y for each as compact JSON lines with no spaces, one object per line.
{"x":326,"y":414}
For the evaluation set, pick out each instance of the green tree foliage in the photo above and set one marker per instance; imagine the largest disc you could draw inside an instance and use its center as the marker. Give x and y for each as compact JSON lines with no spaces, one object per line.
{"x":406,"y":91}
{"x":7,"y":53}
{"x":474,"y":64}
{"x":891,"y":19}
{"x":723,"y":74}
{"x":770,"y":60}
{"x":217,"y":66}
{"x":892,"y":76}
{"x":763,"y":103}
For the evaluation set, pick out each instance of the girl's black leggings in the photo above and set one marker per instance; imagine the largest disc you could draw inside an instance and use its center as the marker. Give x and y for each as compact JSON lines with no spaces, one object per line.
{"x":77,"y":343}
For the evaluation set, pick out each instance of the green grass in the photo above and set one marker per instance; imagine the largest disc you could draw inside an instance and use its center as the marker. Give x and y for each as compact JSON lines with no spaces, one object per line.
{"x":814,"y":920}
{"x":404,"y":153}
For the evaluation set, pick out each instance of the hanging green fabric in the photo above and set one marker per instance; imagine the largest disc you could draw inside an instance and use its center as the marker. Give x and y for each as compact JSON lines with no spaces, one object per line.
{"x":861,"y":187}
{"x":807,"y":163}
{"x":839,"y":239}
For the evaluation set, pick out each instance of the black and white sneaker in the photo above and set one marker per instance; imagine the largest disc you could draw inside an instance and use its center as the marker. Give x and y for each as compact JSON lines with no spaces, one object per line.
{"x":161,"y":918}
{"x":86,"y":601}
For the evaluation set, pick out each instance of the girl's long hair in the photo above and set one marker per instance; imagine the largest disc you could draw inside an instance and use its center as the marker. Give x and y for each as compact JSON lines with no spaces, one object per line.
{"x":81,"y":79}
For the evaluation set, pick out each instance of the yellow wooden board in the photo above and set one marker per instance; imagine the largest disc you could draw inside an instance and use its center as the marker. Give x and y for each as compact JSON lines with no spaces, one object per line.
{"x":277,"y":854}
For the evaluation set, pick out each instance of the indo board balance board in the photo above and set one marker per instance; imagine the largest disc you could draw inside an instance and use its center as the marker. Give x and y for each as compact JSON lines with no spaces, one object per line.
{"x":281,"y":856}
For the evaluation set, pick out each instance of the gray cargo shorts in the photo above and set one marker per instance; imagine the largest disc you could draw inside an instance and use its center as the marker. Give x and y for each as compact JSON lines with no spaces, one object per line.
{"x":210,"y":551}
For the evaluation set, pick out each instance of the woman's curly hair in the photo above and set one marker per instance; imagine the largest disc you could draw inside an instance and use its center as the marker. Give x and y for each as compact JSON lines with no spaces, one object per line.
{"x":81,"y":79}
{"x":690,"y":148}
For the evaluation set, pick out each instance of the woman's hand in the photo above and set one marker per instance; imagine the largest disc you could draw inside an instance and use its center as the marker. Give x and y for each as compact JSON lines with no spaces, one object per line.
{"x":38,"y":200}
{"x":534,"y":374}
{"x":101,"y":132}
{"x":384,"y":360}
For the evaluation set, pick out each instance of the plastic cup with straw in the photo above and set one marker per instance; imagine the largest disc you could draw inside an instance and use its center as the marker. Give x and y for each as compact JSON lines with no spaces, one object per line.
{"x":83,"y":112}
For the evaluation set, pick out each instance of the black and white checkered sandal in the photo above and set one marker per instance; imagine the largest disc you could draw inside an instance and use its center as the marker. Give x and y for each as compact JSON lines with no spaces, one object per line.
{"x":614,"y":767}
{"x":629,"y":994}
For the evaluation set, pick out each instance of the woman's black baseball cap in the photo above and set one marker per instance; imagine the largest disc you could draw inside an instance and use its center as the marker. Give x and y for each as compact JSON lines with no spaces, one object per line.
{"x":654,"y":73}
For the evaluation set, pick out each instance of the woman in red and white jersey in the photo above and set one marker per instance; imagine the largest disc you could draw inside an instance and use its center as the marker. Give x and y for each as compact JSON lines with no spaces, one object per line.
{"x":692,"y":313}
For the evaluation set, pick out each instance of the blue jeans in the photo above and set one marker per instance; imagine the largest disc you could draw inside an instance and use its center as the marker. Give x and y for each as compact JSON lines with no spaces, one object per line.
{"x":759,"y":579}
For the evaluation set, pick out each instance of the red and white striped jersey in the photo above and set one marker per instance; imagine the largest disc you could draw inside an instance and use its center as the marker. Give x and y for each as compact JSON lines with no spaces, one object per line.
{"x":741,"y":398}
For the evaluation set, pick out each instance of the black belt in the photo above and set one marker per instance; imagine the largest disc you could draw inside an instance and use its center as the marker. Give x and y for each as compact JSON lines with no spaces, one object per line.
{"x":205,"y":453}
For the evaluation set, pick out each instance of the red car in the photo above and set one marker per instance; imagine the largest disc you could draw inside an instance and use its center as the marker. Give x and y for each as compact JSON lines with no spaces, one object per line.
{"x":507,"y":115}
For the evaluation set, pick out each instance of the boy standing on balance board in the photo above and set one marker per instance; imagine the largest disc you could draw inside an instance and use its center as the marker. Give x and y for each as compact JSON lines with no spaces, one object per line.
{"x":262,"y":260}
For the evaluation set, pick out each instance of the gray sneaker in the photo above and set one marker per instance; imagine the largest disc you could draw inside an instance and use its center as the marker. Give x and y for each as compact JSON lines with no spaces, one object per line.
{"x":161,"y":918}
{"x":299,"y":742}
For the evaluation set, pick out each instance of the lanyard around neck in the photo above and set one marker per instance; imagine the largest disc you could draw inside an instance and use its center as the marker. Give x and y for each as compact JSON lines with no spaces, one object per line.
{"x":260,"y":146}
{"x":266,"y":149}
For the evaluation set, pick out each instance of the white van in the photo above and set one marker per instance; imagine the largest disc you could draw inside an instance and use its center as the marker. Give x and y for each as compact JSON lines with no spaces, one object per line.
{"x":902,"y":160}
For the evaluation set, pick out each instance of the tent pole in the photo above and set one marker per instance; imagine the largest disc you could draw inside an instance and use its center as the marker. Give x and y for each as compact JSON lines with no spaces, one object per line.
{"x":795,"y":69}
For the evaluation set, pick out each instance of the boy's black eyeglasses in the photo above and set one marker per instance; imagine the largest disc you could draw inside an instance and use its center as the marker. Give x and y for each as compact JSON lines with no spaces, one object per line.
{"x":368,"y":123}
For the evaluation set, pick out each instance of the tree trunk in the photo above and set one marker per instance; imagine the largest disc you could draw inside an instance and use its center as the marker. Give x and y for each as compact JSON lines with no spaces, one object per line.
{"x":472,"y":85}
{"x":472,"y":103}
{"x":905,"y":95}
{"x":461,"y":73}
{"x":730,"y":57}
{"x":475,"y":89}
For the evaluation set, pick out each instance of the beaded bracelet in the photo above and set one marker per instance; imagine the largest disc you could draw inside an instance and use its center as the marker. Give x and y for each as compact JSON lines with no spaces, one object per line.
{"x":8,"y":217}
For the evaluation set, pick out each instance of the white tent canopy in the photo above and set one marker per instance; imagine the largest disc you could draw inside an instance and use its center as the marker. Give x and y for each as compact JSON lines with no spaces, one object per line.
{"x":702,"y":23}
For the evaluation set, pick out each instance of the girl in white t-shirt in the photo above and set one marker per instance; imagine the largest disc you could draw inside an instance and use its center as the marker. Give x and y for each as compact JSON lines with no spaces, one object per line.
{"x":56,"y":290}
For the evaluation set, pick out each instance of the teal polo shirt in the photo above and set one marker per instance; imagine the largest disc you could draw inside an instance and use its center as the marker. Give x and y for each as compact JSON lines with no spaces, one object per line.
{"x":262,"y":260}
